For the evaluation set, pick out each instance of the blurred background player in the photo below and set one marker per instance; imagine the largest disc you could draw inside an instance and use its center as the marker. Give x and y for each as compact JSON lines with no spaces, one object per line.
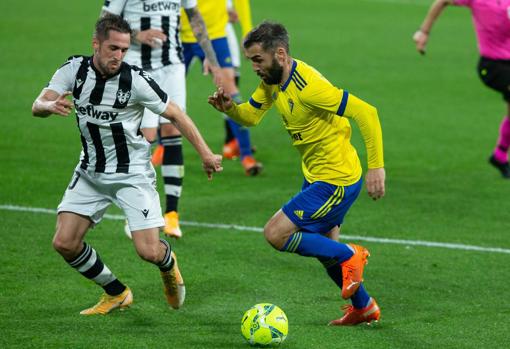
{"x":492,"y":24}
{"x":315,"y":114}
{"x":216,"y":18}
{"x":156,"y":47}
{"x":109,"y":97}
{"x":239,"y":11}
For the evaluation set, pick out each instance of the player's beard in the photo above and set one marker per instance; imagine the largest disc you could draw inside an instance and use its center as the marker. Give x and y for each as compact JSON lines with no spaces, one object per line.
{"x":106,"y":67}
{"x":274,"y":73}
{"x":110,"y":69}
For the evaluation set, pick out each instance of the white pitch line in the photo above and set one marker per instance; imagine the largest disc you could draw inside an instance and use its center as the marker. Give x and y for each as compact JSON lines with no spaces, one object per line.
{"x":259,"y":230}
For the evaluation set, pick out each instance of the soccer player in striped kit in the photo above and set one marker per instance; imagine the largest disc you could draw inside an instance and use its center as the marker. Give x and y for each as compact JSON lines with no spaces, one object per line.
{"x":109,"y":97}
{"x":156,"y":47}
{"x":492,"y":25}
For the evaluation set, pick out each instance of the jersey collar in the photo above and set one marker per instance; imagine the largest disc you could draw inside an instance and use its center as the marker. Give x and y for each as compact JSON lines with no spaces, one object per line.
{"x":294,"y":65}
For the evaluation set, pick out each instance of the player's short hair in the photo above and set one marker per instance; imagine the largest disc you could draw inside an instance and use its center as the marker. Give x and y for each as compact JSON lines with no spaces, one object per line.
{"x":270,"y":35}
{"x":110,"y":22}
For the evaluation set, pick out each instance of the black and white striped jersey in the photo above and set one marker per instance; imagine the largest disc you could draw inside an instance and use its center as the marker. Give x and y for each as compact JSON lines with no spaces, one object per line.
{"x":164,"y":15}
{"x":109,"y":112}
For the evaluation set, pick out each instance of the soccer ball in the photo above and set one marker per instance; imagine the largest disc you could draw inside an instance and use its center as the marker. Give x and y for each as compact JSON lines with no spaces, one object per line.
{"x":265,"y":324}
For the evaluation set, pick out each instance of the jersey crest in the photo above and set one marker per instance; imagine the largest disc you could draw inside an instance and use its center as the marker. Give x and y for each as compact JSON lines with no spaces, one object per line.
{"x":123,"y":96}
{"x":291,"y":104}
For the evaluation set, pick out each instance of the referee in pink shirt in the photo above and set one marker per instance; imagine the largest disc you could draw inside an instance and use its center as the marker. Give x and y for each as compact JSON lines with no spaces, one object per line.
{"x":492,"y":24}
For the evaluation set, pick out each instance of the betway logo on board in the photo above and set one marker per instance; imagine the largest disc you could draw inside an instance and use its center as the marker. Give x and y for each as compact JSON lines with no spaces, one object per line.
{"x":90,"y":111}
{"x":161,"y":6}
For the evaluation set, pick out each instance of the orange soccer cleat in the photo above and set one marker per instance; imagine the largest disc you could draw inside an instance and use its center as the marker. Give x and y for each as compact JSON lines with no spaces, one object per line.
{"x":231,"y":150}
{"x":172,"y":228}
{"x":352,"y":271}
{"x":157,"y":156}
{"x":352,"y":316}
{"x":108,"y":303}
{"x":251,"y":166}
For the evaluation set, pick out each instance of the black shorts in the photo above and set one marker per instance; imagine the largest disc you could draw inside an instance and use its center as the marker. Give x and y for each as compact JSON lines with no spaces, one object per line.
{"x":495,"y":74}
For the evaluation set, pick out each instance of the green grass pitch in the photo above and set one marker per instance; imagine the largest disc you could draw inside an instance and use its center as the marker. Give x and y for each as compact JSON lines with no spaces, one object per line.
{"x":439,"y":124}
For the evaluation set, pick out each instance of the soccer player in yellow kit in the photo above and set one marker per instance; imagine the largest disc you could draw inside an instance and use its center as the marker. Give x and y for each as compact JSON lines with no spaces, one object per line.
{"x":315,"y":113}
{"x":239,"y":13}
{"x":215,"y":17}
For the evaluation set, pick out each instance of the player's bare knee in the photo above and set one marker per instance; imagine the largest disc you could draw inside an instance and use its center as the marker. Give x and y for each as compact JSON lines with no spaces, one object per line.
{"x":269,"y":232}
{"x":275,"y":244}
{"x":149,"y":253}
{"x":273,"y":236}
{"x":59,"y":245}
{"x":66,"y":248}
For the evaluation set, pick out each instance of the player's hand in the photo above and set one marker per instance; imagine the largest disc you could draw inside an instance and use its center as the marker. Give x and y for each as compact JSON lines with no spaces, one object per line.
{"x":212,"y":164}
{"x":221,"y":101}
{"x":375,"y":178}
{"x":420,"y":38}
{"x":152,"y":37}
{"x":233,"y":17}
{"x":216,"y":72}
{"x":61,"y":106}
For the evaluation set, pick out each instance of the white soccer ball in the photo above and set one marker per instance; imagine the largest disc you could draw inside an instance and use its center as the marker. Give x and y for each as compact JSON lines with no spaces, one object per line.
{"x":265,"y":324}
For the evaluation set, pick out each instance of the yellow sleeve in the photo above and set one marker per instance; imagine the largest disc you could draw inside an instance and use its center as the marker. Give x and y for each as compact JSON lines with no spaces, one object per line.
{"x":243,"y":10}
{"x":250,"y":113}
{"x":321,"y":94}
{"x":367,"y":119}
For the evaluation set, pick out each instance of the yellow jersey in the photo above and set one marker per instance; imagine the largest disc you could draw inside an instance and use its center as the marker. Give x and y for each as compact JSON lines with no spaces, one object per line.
{"x":315,"y":113}
{"x":215,"y":17}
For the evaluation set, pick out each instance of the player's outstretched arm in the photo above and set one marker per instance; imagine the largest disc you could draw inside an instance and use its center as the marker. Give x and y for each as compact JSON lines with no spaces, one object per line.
{"x":211,"y":162}
{"x":244,"y":113}
{"x":50,"y":102}
{"x":421,"y":36}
